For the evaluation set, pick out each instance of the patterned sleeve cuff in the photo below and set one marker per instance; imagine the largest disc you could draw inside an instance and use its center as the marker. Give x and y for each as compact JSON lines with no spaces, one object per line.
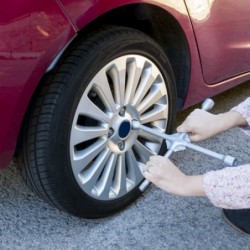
{"x":244,"y":109}
{"x":228,"y":188}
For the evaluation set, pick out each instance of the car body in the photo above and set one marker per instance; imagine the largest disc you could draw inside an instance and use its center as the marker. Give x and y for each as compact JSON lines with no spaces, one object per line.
{"x":207,"y":43}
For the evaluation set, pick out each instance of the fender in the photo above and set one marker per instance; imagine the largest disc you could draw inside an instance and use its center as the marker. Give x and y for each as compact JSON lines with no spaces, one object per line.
{"x":41,"y":31}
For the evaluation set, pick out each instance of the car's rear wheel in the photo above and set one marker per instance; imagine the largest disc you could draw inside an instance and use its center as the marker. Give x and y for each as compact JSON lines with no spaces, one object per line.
{"x":78,"y":149}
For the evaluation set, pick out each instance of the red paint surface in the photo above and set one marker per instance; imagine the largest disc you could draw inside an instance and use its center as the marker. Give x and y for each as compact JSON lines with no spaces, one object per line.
{"x":222,"y":32}
{"x":34,"y":32}
{"x":31,"y":35}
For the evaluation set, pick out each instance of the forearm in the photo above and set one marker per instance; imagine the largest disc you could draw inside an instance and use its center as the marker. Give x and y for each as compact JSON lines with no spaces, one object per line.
{"x":229,"y":120}
{"x":193,"y":186}
{"x":237,"y":116}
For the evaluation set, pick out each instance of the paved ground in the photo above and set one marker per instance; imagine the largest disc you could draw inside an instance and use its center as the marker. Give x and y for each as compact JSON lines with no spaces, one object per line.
{"x":155,"y":221}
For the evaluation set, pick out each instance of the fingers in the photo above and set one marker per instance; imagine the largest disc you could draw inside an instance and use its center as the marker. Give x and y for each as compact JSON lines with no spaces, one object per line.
{"x":165,"y":175}
{"x":154,"y":158}
{"x":150,"y":166}
{"x":194,"y":137}
{"x":189,"y":124}
{"x":183,"y":128}
{"x":153,"y":169}
{"x":154,"y":162}
{"x":198,"y":125}
{"x":155,"y":165}
{"x":149,"y":176}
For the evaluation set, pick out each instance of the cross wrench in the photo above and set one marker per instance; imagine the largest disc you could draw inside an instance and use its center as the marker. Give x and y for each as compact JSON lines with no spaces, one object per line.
{"x":180,"y":141}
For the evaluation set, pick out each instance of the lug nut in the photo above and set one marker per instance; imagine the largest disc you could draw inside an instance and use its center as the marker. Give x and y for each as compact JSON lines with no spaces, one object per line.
{"x":110,"y":132}
{"x":122,"y":111}
{"x":121,"y":145}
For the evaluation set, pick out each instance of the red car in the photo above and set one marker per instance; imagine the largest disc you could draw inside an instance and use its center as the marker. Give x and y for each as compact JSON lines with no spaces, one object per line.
{"x":75,"y":73}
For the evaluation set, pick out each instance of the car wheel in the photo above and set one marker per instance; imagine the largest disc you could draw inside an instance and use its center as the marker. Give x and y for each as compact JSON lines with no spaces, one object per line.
{"x":78,"y":150}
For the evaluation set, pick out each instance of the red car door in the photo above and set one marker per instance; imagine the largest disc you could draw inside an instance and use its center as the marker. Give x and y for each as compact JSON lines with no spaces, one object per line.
{"x":223,"y":36}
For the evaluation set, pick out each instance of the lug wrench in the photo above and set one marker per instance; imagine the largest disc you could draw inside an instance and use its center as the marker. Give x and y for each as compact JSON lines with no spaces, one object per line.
{"x":180,"y":141}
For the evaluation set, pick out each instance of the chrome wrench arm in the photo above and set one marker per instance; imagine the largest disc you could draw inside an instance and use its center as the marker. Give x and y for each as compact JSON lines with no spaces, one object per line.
{"x":181,"y":141}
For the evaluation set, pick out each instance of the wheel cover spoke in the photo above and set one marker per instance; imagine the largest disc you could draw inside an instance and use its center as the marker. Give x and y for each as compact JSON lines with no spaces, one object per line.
{"x":106,"y":163}
{"x":102,"y":87}
{"x":80,"y":134}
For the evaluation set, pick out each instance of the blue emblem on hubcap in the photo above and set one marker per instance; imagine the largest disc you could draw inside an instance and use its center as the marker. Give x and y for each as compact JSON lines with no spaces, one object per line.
{"x":124,"y":129}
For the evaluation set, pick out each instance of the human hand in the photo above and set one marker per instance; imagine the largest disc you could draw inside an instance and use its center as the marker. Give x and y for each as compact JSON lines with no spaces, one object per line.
{"x":164,"y":174}
{"x":201,"y":124}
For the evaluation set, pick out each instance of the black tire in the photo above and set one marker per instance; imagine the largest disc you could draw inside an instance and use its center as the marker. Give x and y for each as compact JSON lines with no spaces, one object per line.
{"x":45,"y":144}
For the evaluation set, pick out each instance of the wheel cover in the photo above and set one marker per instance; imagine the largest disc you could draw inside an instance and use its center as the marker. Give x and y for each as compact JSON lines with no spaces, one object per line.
{"x":107,"y":157}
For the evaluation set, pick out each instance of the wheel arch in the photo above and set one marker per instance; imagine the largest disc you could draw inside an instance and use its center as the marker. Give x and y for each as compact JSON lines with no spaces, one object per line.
{"x":161,"y":26}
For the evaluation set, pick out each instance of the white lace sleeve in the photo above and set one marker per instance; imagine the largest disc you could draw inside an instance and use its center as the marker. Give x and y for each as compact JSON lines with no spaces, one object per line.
{"x":244,"y":109}
{"x":229,"y":187}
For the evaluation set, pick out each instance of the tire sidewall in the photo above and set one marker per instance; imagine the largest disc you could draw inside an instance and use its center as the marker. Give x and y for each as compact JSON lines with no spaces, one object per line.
{"x":106,"y":48}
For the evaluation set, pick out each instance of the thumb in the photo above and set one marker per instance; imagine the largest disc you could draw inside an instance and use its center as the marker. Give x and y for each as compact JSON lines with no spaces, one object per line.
{"x":194,"y":137}
{"x":183,"y":128}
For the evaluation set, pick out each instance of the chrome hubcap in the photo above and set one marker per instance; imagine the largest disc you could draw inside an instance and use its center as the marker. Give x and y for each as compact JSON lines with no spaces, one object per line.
{"x":107,"y":156}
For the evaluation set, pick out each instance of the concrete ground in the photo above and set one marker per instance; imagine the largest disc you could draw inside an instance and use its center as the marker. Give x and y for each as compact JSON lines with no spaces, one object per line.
{"x":155,"y":221}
